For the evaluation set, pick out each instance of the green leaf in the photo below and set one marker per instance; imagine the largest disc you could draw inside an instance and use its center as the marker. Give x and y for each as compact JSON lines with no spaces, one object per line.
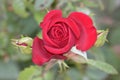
{"x":103,"y":66}
{"x":28,"y":73}
{"x":19,"y":8}
{"x":41,"y":4}
{"x":34,"y":73}
{"x":91,"y":73}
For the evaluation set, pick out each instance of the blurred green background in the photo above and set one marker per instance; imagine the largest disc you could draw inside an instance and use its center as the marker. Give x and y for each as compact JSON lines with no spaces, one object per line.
{"x":22,"y":17}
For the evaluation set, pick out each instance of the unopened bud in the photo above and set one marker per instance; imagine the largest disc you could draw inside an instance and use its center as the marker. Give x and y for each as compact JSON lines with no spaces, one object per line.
{"x":101,"y":38}
{"x":24,"y":44}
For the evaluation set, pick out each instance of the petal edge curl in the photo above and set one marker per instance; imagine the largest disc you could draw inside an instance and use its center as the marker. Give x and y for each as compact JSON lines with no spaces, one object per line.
{"x":88,"y":34}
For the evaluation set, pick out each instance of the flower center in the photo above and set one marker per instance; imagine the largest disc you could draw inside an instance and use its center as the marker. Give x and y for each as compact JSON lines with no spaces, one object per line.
{"x":59,"y":33}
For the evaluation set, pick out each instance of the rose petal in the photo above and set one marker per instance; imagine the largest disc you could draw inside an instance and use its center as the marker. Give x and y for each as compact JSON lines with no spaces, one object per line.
{"x":46,"y":38}
{"x":68,"y":21}
{"x":51,"y":15}
{"x":65,"y":49}
{"x":39,"y":54}
{"x":88,"y":32}
{"x":75,"y":29}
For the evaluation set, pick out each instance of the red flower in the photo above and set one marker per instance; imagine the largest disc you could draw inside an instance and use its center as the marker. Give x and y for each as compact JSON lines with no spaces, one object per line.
{"x":61,"y":34}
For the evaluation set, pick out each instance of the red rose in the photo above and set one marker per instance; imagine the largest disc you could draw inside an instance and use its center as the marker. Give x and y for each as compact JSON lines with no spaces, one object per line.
{"x":61,"y":34}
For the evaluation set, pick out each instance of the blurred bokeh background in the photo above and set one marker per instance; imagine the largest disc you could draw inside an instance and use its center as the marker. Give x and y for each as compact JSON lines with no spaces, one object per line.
{"x":22,"y":17}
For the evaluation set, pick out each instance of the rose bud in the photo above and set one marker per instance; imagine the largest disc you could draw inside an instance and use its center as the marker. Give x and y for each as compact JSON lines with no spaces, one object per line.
{"x":101,"y":38}
{"x":24,"y":44}
{"x":60,"y":34}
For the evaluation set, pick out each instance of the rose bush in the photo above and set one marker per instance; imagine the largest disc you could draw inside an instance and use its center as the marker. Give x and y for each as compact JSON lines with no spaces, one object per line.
{"x":61,"y":34}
